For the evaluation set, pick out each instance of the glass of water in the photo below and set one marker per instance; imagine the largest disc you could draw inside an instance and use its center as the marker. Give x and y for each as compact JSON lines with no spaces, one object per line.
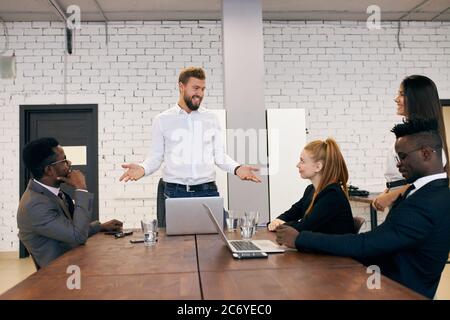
{"x":233,"y":220}
{"x":150,"y":230}
{"x":247,"y":225}
{"x":253,"y":215}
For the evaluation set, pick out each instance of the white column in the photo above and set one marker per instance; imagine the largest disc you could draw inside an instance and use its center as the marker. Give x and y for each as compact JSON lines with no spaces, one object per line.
{"x":243,"y":68}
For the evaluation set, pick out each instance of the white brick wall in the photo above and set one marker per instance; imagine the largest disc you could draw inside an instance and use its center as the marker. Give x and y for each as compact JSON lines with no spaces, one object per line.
{"x":132,"y":79}
{"x":343,"y":74}
{"x":346,"y":76}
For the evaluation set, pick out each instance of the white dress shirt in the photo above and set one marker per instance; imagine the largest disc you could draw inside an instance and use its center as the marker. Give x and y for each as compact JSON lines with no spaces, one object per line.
{"x":189,"y":144}
{"x":54,"y":190}
{"x":419,"y":183}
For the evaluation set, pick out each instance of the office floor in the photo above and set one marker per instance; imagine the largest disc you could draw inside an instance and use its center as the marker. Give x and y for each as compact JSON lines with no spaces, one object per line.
{"x":443,"y":292}
{"x":13,"y":270}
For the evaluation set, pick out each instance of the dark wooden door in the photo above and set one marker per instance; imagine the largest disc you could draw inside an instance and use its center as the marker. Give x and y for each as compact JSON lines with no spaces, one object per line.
{"x":75,"y":127}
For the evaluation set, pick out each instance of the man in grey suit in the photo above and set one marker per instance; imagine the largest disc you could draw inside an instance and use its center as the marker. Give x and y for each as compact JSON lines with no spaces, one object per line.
{"x":49,"y":221}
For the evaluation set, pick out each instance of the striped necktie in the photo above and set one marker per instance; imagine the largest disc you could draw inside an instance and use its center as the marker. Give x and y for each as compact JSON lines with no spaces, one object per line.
{"x":67,"y":201}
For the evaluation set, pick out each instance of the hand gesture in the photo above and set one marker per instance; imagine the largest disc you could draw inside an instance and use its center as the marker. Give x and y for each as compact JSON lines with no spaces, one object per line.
{"x":246,"y":173}
{"x":134,"y":172}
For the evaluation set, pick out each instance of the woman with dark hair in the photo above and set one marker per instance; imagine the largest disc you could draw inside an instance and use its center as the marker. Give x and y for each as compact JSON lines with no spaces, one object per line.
{"x":324,"y":206}
{"x":417,"y":98}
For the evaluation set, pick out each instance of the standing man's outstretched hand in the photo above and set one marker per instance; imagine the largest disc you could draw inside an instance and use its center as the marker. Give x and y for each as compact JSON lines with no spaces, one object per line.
{"x":134,"y":172}
{"x":247,"y":173}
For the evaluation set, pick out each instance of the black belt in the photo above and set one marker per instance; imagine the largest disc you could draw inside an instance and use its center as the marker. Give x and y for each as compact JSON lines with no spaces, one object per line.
{"x":188,"y":188}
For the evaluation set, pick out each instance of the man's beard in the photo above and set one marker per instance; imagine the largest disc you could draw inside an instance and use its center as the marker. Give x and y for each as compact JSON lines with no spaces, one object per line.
{"x":189,"y":103}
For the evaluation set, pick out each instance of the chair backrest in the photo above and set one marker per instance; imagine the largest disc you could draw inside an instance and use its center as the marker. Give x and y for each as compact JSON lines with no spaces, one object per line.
{"x":358,"y":222}
{"x":161,"y":205}
{"x":32,"y":257}
{"x":35,"y":263}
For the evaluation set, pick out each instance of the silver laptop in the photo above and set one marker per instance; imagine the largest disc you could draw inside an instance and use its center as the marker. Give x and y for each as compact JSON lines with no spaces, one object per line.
{"x":187,"y":215}
{"x":239,"y":246}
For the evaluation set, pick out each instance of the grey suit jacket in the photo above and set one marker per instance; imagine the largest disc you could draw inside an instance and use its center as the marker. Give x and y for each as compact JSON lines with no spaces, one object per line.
{"x":46,"y":228}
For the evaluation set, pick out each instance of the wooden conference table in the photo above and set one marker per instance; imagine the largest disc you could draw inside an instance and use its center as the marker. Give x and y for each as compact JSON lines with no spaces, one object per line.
{"x":200,"y":267}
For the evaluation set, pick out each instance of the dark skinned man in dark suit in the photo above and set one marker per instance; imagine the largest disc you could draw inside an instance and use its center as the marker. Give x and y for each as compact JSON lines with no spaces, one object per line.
{"x":412,"y":245}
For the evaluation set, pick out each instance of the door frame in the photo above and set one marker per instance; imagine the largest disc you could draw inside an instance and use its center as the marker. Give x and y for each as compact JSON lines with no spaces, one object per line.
{"x":24,"y":122}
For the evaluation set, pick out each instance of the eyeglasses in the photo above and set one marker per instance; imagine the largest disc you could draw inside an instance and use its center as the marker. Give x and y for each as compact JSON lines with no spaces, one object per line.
{"x":59,"y":161}
{"x":401,"y":156}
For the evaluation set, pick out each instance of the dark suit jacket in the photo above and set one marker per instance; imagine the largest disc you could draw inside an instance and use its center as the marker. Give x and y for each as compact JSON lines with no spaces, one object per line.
{"x":331,"y":212}
{"x":411,"y":246}
{"x":46,"y":229}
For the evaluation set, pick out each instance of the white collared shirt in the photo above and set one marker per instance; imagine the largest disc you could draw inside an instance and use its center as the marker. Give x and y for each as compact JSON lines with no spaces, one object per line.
{"x":419,"y":183}
{"x":53,"y":190}
{"x":189,"y":144}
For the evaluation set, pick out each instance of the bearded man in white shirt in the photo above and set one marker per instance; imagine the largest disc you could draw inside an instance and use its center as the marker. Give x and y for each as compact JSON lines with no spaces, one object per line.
{"x":187,"y":138}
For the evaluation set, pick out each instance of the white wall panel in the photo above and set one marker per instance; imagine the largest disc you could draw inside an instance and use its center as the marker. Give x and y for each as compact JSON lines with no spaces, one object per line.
{"x":286,"y":139}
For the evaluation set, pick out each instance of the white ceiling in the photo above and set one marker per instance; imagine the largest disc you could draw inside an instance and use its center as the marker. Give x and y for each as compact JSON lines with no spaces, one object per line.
{"x":113,"y":10}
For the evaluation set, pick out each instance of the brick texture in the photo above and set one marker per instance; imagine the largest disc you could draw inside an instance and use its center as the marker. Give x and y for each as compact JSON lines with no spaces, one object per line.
{"x":343,"y":74}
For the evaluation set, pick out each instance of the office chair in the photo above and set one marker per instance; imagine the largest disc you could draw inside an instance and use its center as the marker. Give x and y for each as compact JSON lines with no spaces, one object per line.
{"x":35,"y":263}
{"x":161,"y":205}
{"x":358,"y":222}
{"x":32,"y":258}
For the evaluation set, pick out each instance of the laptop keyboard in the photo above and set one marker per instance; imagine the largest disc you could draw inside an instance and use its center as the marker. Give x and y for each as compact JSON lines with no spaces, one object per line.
{"x":245,"y":246}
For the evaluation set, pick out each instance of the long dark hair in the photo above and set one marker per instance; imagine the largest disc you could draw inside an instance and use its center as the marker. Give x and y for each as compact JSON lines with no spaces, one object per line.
{"x":422,"y":102}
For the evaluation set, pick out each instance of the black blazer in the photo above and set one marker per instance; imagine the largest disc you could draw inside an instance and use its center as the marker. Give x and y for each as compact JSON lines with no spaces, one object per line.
{"x":331,"y":212}
{"x":411,"y":246}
